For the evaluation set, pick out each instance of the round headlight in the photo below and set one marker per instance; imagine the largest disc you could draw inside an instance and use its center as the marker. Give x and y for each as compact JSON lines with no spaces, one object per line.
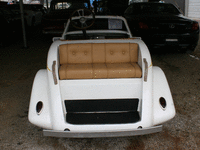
{"x":39,"y":107}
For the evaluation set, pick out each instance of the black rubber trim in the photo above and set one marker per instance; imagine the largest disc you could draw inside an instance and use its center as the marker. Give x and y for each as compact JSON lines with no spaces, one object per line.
{"x":110,"y":111}
{"x":102,"y":118}
{"x":101,"y":105}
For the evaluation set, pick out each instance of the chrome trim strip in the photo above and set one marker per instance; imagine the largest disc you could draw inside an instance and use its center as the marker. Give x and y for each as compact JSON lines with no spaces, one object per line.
{"x":70,"y":134}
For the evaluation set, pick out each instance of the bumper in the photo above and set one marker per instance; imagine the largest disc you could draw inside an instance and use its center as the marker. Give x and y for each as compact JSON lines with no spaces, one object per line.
{"x":69,"y":134}
{"x":182,"y":40}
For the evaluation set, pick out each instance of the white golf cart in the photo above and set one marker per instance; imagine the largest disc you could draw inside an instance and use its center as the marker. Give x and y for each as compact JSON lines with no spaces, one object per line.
{"x":99,"y":82}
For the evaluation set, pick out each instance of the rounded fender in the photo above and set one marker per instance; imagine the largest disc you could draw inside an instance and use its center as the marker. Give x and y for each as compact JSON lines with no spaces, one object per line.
{"x":161,"y":90}
{"x":40,"y":93}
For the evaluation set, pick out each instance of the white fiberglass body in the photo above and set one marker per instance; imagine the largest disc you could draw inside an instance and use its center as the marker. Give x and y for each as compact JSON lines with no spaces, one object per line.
{"x":53,"y":99}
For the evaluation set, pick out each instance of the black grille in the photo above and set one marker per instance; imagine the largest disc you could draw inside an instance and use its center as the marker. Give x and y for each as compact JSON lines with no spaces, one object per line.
{"x":109,"y":111}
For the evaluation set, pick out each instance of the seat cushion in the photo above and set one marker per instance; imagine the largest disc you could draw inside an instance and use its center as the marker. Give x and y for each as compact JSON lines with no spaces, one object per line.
{"x":124,"y":70}
{"x":76,"y":71}
{"x":100,"y":71}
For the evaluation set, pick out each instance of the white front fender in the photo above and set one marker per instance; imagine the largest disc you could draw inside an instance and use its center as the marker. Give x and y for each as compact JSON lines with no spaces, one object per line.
{"x":161,"y":90}
{"x":40,"y":93}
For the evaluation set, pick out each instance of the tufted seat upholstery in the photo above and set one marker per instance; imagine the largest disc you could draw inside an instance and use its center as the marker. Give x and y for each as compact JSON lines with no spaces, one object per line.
{"x":99,"y":60}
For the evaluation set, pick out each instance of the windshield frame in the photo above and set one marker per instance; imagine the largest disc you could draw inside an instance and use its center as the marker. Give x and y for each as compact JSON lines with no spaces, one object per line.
{"x":128,"y":32}
{"x":96,"y":34}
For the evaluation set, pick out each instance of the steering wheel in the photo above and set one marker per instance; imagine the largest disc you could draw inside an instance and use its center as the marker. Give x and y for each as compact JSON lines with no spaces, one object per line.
{"x":84,"y":15}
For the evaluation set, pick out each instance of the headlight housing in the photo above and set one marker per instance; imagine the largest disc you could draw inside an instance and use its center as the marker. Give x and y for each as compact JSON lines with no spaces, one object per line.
{"x":163,"y":103}
{"x":39,"y":107}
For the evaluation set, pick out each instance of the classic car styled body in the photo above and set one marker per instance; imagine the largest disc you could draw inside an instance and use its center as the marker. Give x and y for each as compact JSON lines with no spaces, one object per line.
{"x":161,"y":25}
{"x":102,"y":86}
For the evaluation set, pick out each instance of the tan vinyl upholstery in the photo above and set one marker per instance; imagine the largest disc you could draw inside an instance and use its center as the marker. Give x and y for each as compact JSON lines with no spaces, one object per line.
{"x":99,"y":61}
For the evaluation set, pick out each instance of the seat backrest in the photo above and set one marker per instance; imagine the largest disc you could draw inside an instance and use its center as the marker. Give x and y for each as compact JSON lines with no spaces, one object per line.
{"x":75,"y":53}
{"x":98,"y":53}
{"x":121,"y":52}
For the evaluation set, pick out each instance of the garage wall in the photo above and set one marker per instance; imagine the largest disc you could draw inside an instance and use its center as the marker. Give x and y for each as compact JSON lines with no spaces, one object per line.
{"x":194,"y":8}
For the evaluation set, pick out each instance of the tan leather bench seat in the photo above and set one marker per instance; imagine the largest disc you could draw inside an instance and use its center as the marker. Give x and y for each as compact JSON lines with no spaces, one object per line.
{"x":99,"y":61}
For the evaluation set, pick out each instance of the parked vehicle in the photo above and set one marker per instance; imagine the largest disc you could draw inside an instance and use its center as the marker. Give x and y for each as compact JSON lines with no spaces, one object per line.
{"x":11,"y":17}
{"x":10,"y":24}
{"x":116,"y":7}
{"x":99,"y":82}
{"x":54,"y":21}
{"x":32,"y":13}
{"x":162,"y":24}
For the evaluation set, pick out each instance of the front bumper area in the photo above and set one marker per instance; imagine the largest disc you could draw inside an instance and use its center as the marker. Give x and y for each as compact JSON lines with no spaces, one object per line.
{"x":69,"y":134}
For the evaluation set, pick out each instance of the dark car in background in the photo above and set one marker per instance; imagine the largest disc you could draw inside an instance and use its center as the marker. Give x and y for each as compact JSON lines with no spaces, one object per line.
{"x":162,"y":24}
{"x":32,"y":13}
{"x":60,"y":10}
{"x":10,"y":25}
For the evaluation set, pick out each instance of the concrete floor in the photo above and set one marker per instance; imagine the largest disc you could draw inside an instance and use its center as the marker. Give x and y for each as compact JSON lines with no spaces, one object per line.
{"x":19,"y":66}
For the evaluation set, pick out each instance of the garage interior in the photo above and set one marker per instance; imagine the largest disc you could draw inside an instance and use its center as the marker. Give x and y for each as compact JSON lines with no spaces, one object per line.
{"x":25,"y":53}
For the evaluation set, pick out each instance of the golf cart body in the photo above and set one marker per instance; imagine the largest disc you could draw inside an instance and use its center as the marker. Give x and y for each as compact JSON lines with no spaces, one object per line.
{"x":100,"y":84}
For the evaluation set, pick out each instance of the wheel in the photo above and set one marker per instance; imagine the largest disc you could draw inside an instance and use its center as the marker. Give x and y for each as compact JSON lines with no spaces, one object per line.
{"x":86,"y":18}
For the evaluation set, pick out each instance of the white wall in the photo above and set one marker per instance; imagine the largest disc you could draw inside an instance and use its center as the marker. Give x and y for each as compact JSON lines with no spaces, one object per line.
{"x":194,"y":8}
